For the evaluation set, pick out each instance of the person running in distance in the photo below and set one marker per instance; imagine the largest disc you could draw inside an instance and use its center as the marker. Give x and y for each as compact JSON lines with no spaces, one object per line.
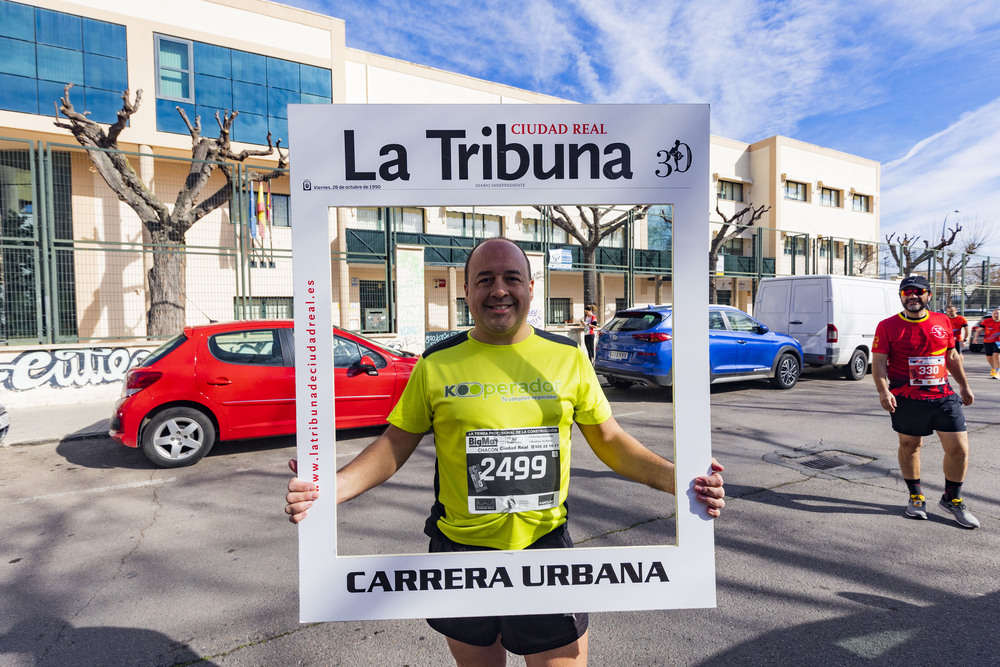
{"x":959,"y":327}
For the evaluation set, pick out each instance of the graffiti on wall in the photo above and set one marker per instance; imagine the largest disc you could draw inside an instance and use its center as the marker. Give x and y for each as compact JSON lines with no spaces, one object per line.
{"x":68,"y":368}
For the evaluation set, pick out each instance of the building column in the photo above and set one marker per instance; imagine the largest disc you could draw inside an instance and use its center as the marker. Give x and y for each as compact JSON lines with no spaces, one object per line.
{"x":341,"y":269}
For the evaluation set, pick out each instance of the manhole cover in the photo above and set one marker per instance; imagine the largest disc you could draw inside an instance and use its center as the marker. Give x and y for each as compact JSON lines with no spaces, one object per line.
{"x":834,"y":463}
{"x":828,"y":460}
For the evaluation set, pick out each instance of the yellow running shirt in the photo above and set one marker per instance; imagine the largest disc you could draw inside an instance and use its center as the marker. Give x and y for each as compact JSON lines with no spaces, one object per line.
{"x":501,"y":416}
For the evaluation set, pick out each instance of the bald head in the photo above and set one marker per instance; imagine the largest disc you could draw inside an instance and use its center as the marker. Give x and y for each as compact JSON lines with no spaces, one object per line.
{"x":486,"y":244}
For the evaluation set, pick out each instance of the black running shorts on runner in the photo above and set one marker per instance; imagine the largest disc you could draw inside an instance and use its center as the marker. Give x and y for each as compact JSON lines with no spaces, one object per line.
{"x":990,"y":349}
{"x":920,"y":418}
{"x":522,"y":635}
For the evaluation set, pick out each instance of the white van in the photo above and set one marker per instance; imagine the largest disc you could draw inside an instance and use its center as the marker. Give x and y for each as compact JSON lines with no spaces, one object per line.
{"x":832,"y":317}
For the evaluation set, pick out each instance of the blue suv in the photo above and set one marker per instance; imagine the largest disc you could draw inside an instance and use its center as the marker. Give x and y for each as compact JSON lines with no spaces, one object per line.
{"x":636,"y":348}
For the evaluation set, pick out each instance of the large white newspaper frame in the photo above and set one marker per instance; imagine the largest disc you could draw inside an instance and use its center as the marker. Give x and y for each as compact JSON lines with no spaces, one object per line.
{"x":412,"y":155}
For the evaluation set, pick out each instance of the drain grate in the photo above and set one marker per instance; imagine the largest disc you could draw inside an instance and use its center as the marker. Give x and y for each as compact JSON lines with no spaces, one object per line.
{"x":820,"y":463}
{"x":833,"y":463}
{"x":828,"y":460}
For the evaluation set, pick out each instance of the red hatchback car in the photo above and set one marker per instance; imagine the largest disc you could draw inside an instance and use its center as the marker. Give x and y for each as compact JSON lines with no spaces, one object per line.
{"x":237,"y":380}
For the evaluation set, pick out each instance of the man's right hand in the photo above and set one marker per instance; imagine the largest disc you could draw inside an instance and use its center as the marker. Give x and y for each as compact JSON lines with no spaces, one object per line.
{"x":300,"y":496}
{"x":888,"y":401}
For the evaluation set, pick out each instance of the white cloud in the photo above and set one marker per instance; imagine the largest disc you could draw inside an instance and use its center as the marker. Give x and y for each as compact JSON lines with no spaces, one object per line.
{"x":956,"y":168}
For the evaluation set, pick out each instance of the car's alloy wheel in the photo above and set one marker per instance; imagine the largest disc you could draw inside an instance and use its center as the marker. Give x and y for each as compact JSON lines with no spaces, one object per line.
{"x":177,"y":437}
{"x":787,"y":372}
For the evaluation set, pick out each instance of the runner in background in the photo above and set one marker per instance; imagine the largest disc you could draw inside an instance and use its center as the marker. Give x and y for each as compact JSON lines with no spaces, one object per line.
{"x":959,"y":327}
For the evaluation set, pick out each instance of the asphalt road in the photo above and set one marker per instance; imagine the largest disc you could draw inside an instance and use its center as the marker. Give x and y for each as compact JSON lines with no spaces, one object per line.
{"x":105,"y":560}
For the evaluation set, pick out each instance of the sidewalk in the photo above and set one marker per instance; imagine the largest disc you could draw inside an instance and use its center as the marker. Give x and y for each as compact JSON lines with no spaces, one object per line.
{"x":55,"y":423}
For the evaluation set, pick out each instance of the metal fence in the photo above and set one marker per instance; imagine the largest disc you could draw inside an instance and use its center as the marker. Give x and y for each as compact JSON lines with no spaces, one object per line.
{"x":75,"y":259}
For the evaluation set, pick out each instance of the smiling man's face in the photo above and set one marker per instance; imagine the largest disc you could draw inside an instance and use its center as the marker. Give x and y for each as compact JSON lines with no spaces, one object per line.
{"x":498,"y":290}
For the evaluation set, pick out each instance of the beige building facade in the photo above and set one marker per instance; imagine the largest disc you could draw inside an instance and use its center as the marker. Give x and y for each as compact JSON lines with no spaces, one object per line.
{"x":257,"y":57}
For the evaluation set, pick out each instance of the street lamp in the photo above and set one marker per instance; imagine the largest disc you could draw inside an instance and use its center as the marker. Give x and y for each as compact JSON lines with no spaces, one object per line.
{"x":946,"y":222}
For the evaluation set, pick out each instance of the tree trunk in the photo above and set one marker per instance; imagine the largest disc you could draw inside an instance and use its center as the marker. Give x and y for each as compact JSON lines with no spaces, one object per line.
{"x":589,"y":275}
{"x":166,"y":290}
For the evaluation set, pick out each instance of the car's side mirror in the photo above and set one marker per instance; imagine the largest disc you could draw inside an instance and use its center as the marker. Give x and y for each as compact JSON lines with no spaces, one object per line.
{"x":367,"y":365}
{"x":762,"y":329}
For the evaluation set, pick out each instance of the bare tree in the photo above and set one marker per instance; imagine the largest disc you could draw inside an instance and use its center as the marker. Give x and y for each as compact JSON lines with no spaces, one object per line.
{"x":591,"y":230}
{"x":732,"y":226}
{"x":908,"y":255}
{"x":167,"y":225}
{"x":971,"y":242}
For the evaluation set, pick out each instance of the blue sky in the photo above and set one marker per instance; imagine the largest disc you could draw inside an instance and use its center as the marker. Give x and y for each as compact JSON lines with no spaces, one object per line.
{"x":914,"y":84}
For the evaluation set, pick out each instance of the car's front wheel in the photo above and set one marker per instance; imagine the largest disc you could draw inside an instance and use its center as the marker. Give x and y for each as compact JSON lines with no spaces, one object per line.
{"x":857,"y":366}
{"x":787,"y":372}
{"x":177,"y":437}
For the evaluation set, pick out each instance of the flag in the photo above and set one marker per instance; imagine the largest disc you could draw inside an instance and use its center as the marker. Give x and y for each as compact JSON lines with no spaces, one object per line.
{"x":270,"y":209}
{"x":261,"y":213}
{"x":270,"y":216}
{"x":253,"y":217}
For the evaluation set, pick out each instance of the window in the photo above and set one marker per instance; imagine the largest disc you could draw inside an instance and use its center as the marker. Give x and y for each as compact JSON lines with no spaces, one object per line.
{"x":740,"y":322}
{"x":716,"y":321}
{"x":464,"y":317}
{"x":205,"y":79}
{"x":280,"y":210}
{"x":174,"y":78}
{"x":730,"y":190}
{"x":472,"y":225}
{"x":732,"y":247}
{"x":795,"y":245}
{"x":621,"y":304}
{"x":861,"y":203}
{"x":659,"y":227}
{"x":346,"y":353}
{"x":404,"y":219}
{"x":615,"y":239}
{"x":829,"y":197}
{"x":559,"y":310}
{"x":252,"y":348}
{"x":795,"y":191}
{"x":559,"y":235}
{"x":44,"y":50}
{"x":263,"y":308}
{"x":529,"y":229}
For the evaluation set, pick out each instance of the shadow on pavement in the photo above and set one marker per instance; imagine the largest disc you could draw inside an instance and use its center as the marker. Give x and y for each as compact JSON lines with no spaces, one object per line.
{"x":884,"y":630}
{"x":103,"y":452}
{"x":47,"y":640}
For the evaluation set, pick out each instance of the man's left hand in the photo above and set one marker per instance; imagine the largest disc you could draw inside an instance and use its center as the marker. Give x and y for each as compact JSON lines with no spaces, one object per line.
{"x":710,"y":491}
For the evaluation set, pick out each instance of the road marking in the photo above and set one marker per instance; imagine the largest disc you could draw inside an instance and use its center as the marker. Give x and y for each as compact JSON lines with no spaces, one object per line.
{"x":102,"y":489}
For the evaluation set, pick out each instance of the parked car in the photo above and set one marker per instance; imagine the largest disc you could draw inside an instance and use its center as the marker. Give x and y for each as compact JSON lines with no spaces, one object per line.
{"x":4,"y":423}
{"x":636,"y":348}
{"x":235,"y":381}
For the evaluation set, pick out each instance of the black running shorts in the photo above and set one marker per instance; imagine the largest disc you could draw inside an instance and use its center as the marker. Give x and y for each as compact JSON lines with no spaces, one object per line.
{"x":522,"y":635}
{"x":920,"y":418}
{"x":990,"y":349}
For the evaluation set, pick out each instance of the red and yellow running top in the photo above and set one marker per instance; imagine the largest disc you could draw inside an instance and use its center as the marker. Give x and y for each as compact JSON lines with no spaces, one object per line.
{"x":915,"y":347}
